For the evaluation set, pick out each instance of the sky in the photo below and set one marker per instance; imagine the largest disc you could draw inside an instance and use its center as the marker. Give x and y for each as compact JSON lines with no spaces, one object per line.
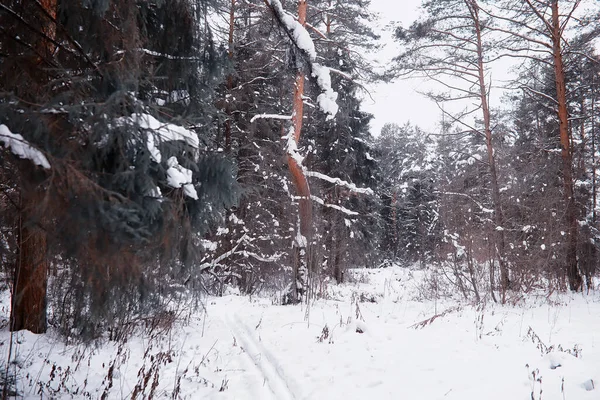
{"x":399,"y":101}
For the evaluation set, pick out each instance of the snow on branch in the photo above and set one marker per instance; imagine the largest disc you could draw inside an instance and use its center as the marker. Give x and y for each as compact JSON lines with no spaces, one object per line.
{"x":164,"y":132}
{"x":327,"y":99}
{"x":177,"y":175}
{"x":336,"y":207}
{"x":216,"y":261}
{"x":180,"y":177}
{"x":339,"y":182}
{"x":301,"y":39}
{"x":538,"y":93}
{"x":291,"y":147}
{"x":21,"y":148}
{"x":297,"y":32}
{"x":274,"y":258}
{"x":270,"y":116}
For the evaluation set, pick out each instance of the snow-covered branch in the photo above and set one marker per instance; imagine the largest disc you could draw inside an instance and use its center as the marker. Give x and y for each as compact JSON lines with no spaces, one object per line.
{"x":21,"y":147}
{"x":164,"y":132}
{"x":273,"y":258}
{"x":327,"y":99}
{"x":301,"y":39}
{"x":295,"y":30}
{"x":335,"y":207}
{"x":177,"y":175}
{"x":180,"y":177}
{"x":538,"y":93}
{"x":339,"y":182}
{"x":207,"y":265}
{"x":270,"y":116}
{"x":291,"y":147}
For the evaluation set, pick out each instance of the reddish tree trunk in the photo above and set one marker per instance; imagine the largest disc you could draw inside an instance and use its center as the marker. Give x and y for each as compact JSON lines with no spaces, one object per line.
{"x":572,"y":271}
{"x":301,"y":183}
{"x":30,"y":281}
{"x":28,"y":306}
{"x":593,"y":134}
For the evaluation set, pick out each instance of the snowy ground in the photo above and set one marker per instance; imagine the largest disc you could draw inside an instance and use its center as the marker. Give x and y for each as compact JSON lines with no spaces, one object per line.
{"x":369,"y":340}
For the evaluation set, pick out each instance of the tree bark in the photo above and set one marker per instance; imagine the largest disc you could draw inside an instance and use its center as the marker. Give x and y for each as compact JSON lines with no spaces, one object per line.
{"x":228,"y":99}
{"x":593,"y":134}
{"x":28,"y":309}
{"x":28,"y":305}
{"x":395,"y":222}
{"x":303,"y":235}
{"x":572,"y":271}
{"x":498,"y":214}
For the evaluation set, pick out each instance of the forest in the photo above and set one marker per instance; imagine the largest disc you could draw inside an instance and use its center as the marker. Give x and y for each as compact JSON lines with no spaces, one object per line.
{"x":160,"y":156}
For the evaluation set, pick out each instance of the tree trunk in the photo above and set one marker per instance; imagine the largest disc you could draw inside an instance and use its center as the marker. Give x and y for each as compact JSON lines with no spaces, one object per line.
{"x":28,"y":304}
{"x":337,"y":225}
{"x":395,"y":222}
{"x":228,"y":99}
{"x":593,"y":134}
{"x":28,"y":310}
{"x":338,"y":272}
{"x":498,"y":215}
{"x":303,"y":234}
{"x":572,"y":272}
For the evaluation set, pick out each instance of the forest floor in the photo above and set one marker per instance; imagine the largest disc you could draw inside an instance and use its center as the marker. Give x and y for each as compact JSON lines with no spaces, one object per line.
{"x":375,"y":338}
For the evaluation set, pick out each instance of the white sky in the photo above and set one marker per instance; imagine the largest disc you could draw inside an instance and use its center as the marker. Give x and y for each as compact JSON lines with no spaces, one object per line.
{"x":398,"y":101}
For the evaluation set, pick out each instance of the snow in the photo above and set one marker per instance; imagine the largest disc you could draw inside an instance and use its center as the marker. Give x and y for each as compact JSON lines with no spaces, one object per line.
{"x":299,"y":34}
{"x":322,"y":202}
{"x":180,"y":177}
{"x":21,"y":148}
{"x":163,"y":132}
{"x":270,"y":116}
{"x":177,"y":175}
{"x":377,"y":337}
{"x":339,"y":182}
{"x":301,"y":37}
{"x":300,"y":240}
{"x":327,"y":99}
{"x":291,"y":147}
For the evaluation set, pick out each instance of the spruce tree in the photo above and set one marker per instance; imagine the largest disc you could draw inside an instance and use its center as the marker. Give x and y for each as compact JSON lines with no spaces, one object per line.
{"x":120,"y":102}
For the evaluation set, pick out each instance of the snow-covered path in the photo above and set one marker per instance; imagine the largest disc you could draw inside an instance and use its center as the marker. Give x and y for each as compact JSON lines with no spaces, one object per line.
{"x":372,"y":340}
{"x":280,"y":385}
{"x":469,"y":353}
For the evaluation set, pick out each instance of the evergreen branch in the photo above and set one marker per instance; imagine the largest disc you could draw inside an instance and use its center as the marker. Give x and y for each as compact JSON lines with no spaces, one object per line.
{"x":569,"y":16}
{"x":538,"y":93}
{"x":69,"y":38}
{"x":46,"y":37}
{"x":539,"y":15}
{"x":30,"y":47}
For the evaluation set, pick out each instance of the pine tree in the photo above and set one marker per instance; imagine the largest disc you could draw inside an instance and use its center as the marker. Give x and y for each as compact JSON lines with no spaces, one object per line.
{"x":121,"y":105}
{"x":409,"y":166}
{"x":451,"y":46}
{"x":538,"y":30}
